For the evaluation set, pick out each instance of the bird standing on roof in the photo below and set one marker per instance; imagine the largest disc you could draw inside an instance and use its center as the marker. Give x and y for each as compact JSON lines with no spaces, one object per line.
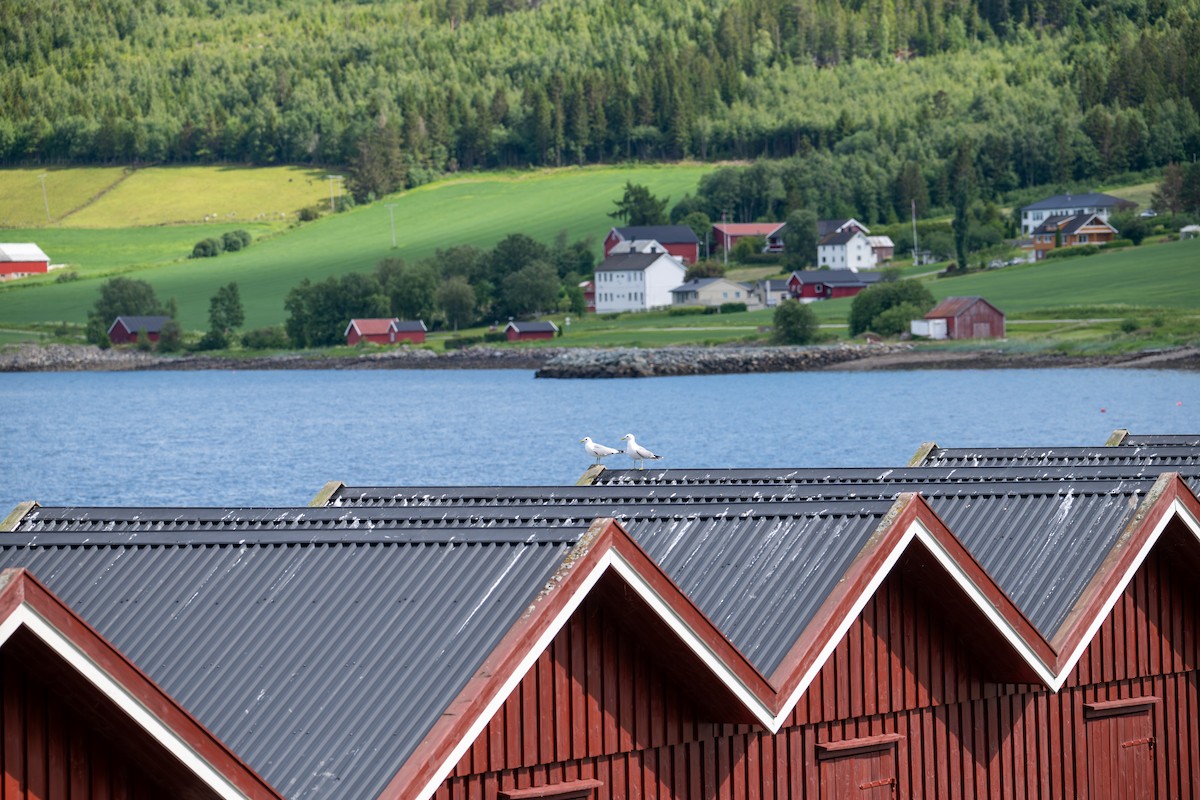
{"x":638,"y":453}
{"x":598,"y":451}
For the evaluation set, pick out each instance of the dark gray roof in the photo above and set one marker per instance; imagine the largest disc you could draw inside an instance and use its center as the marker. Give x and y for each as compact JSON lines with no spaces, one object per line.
{"x":135,"y":324}
{"x":837,"y":277}
{"x":1149,"y":455}
{"x":1086,"y":200}
{"x":532,"y":327}
{"x":839,"y":237}
{"x":408,"y":325}
{"x":663,"y":234}
{"x":322,"y":661}
{"x":628,"y":261}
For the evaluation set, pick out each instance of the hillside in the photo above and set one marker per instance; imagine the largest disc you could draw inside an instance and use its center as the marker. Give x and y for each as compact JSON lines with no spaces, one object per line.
{"x":474,"y":210}
{"x":397,"y":93}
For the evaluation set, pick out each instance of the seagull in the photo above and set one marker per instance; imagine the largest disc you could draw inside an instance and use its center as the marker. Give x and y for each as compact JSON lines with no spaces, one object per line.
{"x":597,"y":450}
{"x":638,"y":453}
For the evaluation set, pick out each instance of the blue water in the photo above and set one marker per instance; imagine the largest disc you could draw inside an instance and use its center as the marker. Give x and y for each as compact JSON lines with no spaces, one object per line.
{"x":275,"y":438}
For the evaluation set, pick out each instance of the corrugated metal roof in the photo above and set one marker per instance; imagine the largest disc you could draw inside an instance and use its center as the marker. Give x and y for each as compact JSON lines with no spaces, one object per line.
{"x":952,"y":307}
{"x":663,"y":234}
{"x":837,"y":277}
{"x":22,"y":251}
{"x":1157,"y":455}
{"x":828,"y":475}
{"x":321,"y":661}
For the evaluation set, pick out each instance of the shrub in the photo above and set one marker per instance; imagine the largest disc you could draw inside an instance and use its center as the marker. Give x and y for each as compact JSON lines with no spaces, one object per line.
{"x":1074,"y":252}
{"x":732,"y":308}
{"x":233,"y":241}
{"x":66,"y":277}
{"x":213,"y":340}
{"x":143,"y":341}
{"x":496,"y":336}
{"x":170,"y":337}
{"x":207,"y":248}
{"x":896,"y":320}
{"x":460,"y":342}
{"x":685,"y":311}
{"x":309,"y":213}
{"x":1115,"y":243}
{"x":871,"y":302}
{"x":795,"y":323}
{"x":1129,"y":325}
{"x":273,"y":338}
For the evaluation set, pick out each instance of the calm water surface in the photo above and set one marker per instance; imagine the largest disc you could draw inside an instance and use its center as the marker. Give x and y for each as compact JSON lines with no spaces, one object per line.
{"x":275,"y":438}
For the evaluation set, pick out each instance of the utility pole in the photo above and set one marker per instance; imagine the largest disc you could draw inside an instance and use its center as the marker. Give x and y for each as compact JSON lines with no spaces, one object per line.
{"x":391,"y":207}
{"x":332,"y":178}
{"x":45,"y":200}
{"x":914,"y":220}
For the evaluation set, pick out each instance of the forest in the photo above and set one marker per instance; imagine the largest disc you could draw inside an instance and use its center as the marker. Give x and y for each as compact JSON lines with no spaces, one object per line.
{"x":867,"y":100}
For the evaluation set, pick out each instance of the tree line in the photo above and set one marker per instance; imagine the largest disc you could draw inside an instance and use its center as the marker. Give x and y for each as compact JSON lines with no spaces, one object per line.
{"x":877,"y":92}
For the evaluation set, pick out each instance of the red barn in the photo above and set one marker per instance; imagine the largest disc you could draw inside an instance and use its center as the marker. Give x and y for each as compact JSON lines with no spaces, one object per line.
{"x":520,"y":331}
{"x":965,"y":318}
{"x":376,"y":331}
{"x":412,"y":331}
{"x":125,"y":330}
{"x":22,"y":259}
{"x":678,"y":240}
{"x":828,"y":284}
{"x":727,"y":234}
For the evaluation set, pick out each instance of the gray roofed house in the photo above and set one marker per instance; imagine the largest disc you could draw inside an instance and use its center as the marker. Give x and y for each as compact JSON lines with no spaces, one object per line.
{"x":125,"y":329}
{"x":710,"y":292}
{"x":1162,"y":456}
{"x":321,"y":661}
{"x":1064,"y":205}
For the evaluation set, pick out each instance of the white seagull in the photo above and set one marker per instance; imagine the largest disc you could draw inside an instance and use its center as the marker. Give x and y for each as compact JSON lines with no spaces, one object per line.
{"x":598,"y":451}
{"x":638,"y":453}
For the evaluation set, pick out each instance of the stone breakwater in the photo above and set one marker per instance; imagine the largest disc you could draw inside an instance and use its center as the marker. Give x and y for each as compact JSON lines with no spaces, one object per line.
{"x":638,"y":363}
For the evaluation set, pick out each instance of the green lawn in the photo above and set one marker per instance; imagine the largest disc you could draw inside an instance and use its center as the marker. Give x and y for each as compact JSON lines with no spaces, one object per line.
{"x":474,"y":209}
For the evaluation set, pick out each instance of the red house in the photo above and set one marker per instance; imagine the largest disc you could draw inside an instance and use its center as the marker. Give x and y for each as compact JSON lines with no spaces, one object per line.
{"x":521,"y":331}
{"x":22,"y":259}
{"x":828,"y":284}
{"x":727,"y":234}
{"x":376,"y":331}
{"x":407,"y":331}
{"x":124,"y":330}
{"x":678,"y":240}
{"x":964,"y":318}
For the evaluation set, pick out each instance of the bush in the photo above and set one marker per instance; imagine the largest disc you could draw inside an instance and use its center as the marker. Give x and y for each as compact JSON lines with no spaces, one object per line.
{"x":795,"y":323}
{"x":213,"y":340}
{"x":233,"y":241}
{"x":207,"y":248}
{"x":731,"y":308}
{"x":1074,"y":252}
{"x":871,"y":302}
{"x":495,"y":336}
{"x":273,"y":338}
{"x":143,"y":341}
{"x":170,"y":337}
{"x":309,"y":213}
{"x":66,"y":277}
{"x":685,"y":311}
{"x":1129,"y":325}
{"x":1115,"y":243}
{"x":460,"y":342}
{"x":896,"y":320}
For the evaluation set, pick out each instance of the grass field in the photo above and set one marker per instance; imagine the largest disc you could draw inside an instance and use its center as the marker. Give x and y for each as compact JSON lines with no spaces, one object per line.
{"x":476,"y":210}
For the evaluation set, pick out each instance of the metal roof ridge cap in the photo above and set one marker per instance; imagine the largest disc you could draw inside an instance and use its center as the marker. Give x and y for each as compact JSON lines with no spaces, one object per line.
{"x":19,"y":512}
{"x":326,"y":494}
{"x":1117,"y":438}
{"x":591,"y":475}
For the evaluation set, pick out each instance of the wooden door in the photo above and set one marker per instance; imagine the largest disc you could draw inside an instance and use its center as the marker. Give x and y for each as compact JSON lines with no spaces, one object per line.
{"x":861,"y":769}
{"x":1120,"y":749}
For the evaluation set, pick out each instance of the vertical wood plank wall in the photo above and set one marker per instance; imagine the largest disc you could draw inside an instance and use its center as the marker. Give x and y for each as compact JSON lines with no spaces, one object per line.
{"x":49,"y":753}
{"x":596,"y":705}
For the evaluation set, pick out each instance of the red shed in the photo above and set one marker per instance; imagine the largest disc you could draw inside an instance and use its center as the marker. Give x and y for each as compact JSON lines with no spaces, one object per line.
{"x":827,"y":284}
{"x":407,"y":331}
{"x":966,"y":318}
{"x":678,"y":240}
{"x":21,"y":259}
{"x":376,"y":331}
{"x":727,"y":234}
{"x":124,"y":330}
{"x":520,"y":331}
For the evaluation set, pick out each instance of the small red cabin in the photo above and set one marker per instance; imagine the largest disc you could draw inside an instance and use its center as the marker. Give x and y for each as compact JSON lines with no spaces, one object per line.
{"x":828,"y":284}
{"x":375,"y":331}
{"x":727,"y":234}
{"x":124,"y":330}
{"x":520,"y":331}
{"x":22,"y":259}
{"x":407,"y":331}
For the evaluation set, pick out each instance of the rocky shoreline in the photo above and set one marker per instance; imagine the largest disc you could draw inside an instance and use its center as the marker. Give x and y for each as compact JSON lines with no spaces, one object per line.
{"x":561,"y":362}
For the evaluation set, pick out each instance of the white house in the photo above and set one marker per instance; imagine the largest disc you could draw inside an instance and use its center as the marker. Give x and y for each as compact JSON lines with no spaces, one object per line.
{"x":846,"y":249}
{"x":1068,"y":205}
{"x":637,"y":281}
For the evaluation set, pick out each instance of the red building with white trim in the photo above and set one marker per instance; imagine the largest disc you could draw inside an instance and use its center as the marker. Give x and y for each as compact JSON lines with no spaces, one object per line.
{"x":678,"y":240}
{"x":19,"y":260}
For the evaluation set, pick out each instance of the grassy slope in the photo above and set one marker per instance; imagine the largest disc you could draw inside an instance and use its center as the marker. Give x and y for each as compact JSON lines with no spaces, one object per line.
{"x":477,"y":210}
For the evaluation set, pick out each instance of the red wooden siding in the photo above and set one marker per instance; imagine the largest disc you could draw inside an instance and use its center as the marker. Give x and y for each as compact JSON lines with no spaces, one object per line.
{"x":50,"y":752}
{"x":122,"y":335}
{"x":597,"y":705}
